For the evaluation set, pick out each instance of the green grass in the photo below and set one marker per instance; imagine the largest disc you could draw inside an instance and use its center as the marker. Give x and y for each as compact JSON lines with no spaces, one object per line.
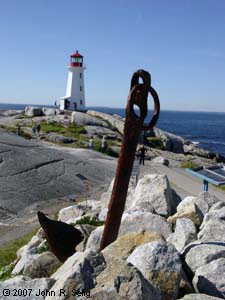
{"x":156,"y":142}
{"x":188,"y":164}
{"x":109,"y":151}
{"x":43,"y":248}
{"x":72,"y":131}
{"x":91,"y":221}
{"x":14,"y":130}
{"x":6,"y":272}
{"x":8,"y":252}
{"x":220,"y":187}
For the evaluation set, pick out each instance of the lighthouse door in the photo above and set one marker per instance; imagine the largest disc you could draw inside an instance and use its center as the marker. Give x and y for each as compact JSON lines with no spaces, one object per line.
{"x":75,"y":106}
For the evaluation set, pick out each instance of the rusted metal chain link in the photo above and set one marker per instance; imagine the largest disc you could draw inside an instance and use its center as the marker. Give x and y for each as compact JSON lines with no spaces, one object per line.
{"x":134,"y":124}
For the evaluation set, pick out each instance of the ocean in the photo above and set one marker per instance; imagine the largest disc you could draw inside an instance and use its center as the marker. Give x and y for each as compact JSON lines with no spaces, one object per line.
{"x":205,"y":128}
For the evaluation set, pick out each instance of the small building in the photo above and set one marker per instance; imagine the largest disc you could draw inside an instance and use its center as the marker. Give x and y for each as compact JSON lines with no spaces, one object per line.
{"x":75,"y":94}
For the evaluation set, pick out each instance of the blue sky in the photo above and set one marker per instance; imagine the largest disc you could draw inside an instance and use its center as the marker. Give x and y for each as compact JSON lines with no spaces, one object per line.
{"x":180,"y":42}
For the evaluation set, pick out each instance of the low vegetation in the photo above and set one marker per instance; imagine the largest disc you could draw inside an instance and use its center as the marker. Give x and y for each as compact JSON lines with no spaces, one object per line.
{"x":156,"y":142}
{"x":8,"y":254}
{"x":44,"y":248}
{"x":91,"y":221}
{"x":109,"y":151}
{"x":14,"y":130}
{"x":72,"y":131}
{"x":188,"y":164}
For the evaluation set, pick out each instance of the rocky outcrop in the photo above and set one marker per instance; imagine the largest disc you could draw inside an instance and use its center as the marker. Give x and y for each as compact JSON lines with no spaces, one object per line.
{"x":83,"y":119}
{"x":160,"y":160}
{"x":191,"y":212}
{"x":152,"y":258}
{"x":209,"y":279}
{"x":127,"y":243}
{"x":42,"y":265}
{"x":185,"y":233}
{"x":27,"y":254}
{"x":213,"y":226}
{"x":24,"y":288}
{"x":199,"y":254}
{"x":153,"y":193}
{"x":78,"y":272}
{"x":160,"y":264}
{"x":46,"y":111}
{"x":100,"y":131}
{"x":134,"y":221}
{"x":57,"y":138}
{"x":32,"y":173}
{"x":172,"y":142}
{"x":199,"y":297}
{"x":115,"y":122}
{"x":33,"y":111}
{"x":123,"y":281}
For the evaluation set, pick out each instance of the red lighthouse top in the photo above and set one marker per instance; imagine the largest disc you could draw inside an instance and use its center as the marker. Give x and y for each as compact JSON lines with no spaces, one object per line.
{"x":76,"y":60}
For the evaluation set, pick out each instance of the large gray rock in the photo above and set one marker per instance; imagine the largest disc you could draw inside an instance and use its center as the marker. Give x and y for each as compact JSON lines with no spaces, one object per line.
{"x":153,"y":193}
{"x":172,"y":142}
{"x":133,"y":221}
{"x":123,"y":281}
{"x":137,"y":220}
{"x":32,"y":111}
{"x":202,"y":254}
{"x":191,"y":212}
{"x":160,"y":264}
{"x":47,"y":111}
{"x":210,"y":279}
{"x":212,"y":231}
{"x":209,"y":198}
{"x":32,"y":173}
{"x":199,"y":297}
{"x":57,"y":138}
{"x":185,"y":233}
{"x":198,"y":201}
{"x":27,"y":253}
{"x":114,"y":121}
{"x":23,"y":288}
{"x":218,"y":214}
{"x":217,"y":206}
{"x":160,"y":160}
{"x":127,"y":243}
{"x":78,"y":272}
{"x":213,"y":226}
{"x":83,"y":119}
{"x":42,"y":266}
{"x":105,"y":197}
{"x":78,"y":210}
{"x":101,"y":131}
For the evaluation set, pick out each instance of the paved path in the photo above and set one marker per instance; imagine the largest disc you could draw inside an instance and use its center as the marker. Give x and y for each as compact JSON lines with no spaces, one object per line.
{"x":184,"y":183}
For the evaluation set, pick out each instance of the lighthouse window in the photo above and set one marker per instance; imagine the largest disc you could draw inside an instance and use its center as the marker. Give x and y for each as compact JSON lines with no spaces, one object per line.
{"x":80,"y":75}
{"x":80,"y":88}
{"x":80,"y":102}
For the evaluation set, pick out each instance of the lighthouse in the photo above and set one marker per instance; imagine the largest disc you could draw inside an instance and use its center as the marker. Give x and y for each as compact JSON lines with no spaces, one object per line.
{"x":75,"y":96}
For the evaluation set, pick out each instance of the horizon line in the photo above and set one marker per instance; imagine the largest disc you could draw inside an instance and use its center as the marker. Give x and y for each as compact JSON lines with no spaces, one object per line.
{"x":100,"y":106}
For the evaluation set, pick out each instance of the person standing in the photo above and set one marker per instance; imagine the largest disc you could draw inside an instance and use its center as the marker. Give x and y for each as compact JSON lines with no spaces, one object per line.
{"x":142,"y":151}
{"x":91,"y":143}
{"x":38,"y":128}
{"x":34,"y":130}
{"x":104,"y":144}
{"x":18,"y":130}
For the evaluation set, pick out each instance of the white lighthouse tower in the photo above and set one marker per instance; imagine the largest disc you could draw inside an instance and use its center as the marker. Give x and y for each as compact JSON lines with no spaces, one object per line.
{"x":75,"y":97}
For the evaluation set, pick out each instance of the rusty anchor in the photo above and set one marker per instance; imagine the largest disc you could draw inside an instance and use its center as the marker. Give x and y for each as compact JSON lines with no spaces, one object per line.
{"x":134,"y":124}
{"x":62,"y":238}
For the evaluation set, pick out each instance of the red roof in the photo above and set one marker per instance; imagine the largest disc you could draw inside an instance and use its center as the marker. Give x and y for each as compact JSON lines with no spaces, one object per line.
{"x":77,"y":54}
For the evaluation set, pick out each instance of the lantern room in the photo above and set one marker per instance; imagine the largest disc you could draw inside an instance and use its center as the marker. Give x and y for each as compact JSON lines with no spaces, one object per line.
{"x":76,"y":60}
